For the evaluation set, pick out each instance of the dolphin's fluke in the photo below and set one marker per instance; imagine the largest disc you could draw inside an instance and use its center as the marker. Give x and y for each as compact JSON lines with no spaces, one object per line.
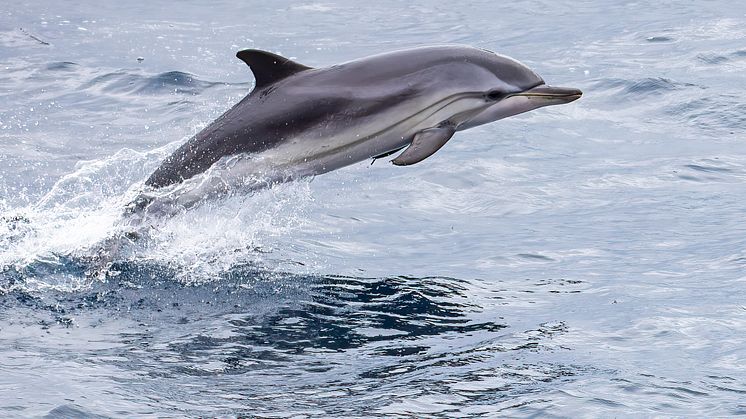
{"x":424,"y":144}
{"x":269,"y":68}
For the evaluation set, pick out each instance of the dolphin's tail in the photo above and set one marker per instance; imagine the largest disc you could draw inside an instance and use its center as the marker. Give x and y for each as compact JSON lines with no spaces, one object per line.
{"x":132,"y":228}
{"x":106,"y":253}
{"x":138,"y":205}
{"x":150,"y":208}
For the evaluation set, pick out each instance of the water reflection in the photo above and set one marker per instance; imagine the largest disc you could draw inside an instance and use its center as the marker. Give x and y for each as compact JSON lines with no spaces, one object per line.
{"x":251,"y":329}
{"x":290,"y":313}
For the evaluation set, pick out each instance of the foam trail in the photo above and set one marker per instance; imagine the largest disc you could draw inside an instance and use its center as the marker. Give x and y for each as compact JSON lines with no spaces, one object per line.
{"x":67,"y":223}
{"x":78,"y":229}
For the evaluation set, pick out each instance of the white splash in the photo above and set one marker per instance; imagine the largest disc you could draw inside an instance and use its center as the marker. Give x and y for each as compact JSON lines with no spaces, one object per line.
{"x":50,"y":242}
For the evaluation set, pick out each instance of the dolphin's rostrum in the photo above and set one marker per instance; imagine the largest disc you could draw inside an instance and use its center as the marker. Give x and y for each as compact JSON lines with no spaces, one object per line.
{"x":300,"y":121}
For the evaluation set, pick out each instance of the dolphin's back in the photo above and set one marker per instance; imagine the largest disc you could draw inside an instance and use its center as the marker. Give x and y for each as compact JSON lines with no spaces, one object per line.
{"x":266,"y":118}
{"x":249,"y":127}
{"x":195,"y":156}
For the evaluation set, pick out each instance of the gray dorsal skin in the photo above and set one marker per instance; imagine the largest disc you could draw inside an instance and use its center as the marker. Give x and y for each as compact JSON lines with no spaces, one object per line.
{"x":301,"y":121}
{"x":424,"y":144}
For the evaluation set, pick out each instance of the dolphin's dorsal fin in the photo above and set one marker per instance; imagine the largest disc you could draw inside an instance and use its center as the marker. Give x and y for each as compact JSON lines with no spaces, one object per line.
{"x":424,"y":144}
{"x":267,"y":67}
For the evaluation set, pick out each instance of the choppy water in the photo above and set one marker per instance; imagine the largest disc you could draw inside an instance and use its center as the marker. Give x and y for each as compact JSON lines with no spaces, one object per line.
{"x":579,"y":260}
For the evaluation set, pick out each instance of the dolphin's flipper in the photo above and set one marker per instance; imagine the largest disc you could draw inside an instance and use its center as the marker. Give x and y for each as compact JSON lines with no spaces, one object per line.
{"x":267,"y":67}
{"x":424,"y":144}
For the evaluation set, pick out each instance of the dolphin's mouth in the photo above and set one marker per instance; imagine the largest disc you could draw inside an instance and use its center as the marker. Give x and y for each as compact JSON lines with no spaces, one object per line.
{"x":561,"y":94}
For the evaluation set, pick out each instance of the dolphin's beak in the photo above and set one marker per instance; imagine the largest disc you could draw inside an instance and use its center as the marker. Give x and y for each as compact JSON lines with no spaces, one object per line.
{"x":527,"y":100}
{"x":556,"y":95}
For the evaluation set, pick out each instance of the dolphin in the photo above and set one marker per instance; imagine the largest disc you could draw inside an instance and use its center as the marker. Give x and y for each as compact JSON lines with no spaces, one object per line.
{"x":301,"y":121}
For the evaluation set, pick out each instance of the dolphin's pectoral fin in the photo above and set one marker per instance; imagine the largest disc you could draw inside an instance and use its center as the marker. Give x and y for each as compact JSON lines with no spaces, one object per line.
{"x":425,"y":144}
{"x":267,"y":67}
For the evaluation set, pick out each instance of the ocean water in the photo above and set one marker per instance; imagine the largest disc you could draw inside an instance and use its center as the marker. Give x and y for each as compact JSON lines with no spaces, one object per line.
{"x":584,"y":260}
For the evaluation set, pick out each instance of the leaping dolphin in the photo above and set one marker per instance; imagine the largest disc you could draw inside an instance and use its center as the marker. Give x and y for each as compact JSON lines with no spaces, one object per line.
{"x":300,"y":121}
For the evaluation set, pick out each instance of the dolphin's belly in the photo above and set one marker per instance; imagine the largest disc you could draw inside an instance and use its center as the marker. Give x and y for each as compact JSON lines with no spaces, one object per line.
{"x":310,"y":155}
{"x":324,"y":149}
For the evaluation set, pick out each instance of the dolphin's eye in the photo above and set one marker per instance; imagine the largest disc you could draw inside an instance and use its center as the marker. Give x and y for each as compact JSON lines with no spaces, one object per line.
{"x":495,"y":95}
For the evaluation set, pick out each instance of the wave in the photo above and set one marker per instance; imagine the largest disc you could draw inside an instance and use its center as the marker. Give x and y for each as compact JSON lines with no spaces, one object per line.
{"x":717,"y":111}
{"x":640,"y":87}
{"x":133,"y":83}
{"x":285,"y":308}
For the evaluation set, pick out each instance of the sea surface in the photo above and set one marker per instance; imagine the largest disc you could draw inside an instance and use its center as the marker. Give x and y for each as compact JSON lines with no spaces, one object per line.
{"x":584,"y":260}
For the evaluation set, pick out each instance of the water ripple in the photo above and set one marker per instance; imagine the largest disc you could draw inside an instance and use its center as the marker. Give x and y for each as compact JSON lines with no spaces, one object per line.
{"x":642,"y":87}
{"x":132,"y":83}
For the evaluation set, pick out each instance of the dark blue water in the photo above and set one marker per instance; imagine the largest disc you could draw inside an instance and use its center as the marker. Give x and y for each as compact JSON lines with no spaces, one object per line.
{"x":579,"y":260}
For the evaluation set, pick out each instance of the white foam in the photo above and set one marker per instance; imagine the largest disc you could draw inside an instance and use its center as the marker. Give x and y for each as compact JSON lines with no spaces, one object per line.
{"x":83,"y":211}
